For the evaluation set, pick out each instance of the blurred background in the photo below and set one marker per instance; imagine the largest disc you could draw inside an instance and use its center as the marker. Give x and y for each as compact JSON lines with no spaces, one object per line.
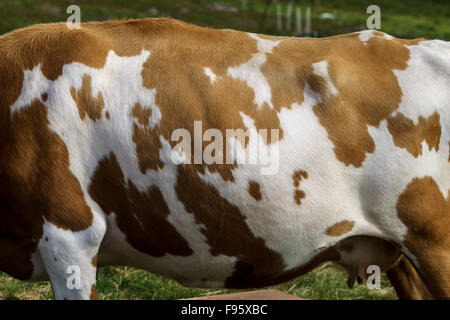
{"x":316,"y":18}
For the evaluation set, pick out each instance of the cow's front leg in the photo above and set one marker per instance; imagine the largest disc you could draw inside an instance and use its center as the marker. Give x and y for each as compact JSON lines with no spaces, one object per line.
{"x":70,"y":259}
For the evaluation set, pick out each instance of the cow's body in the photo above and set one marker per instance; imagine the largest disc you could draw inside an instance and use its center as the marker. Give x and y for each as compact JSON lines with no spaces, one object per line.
{"x":86,"y":122}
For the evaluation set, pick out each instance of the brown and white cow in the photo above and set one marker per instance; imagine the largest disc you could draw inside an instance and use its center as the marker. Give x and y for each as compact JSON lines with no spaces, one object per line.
{"x":88,"y":177}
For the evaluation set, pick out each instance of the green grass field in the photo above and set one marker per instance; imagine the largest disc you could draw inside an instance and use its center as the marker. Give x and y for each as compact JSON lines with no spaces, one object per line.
{"x":114,"y":283}
{"x":408,"y":19}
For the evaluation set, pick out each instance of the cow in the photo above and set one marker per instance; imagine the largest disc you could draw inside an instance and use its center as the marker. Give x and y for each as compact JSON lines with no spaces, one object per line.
{"x":94,"y":172}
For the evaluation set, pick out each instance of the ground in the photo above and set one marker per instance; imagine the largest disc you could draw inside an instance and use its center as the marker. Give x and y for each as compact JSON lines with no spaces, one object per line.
{"x":114,"y":283}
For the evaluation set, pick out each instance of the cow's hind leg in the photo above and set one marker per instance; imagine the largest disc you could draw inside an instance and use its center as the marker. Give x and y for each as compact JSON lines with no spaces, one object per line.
{"x":406,"y":282}
{"x":70,"y":259}
{"x":425,"y":211}
{"x":434,"y":269}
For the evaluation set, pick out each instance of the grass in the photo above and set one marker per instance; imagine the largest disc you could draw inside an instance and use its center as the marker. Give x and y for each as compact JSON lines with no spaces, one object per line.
{"x":408,"y":19}
{"x":124,"y":283}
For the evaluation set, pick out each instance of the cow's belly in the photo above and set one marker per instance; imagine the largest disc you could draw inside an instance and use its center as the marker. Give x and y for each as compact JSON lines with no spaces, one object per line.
{"x":277,"y":233}
{"x":291,"y":217}
{"x":272,"y":229}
